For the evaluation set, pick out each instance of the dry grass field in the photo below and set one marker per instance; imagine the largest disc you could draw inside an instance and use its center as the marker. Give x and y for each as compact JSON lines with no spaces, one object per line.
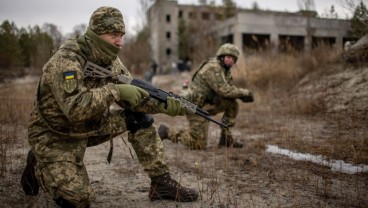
{"x":312,"y":104}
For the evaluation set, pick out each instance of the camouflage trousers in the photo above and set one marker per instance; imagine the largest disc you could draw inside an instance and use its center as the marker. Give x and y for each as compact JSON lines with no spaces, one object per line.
{"x":63,"y":177}
{"x":196,"y":136}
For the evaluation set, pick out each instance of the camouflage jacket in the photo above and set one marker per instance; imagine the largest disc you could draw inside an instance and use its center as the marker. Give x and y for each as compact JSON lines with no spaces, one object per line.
{"x":212,"y":81}
{"x":69,"y":102}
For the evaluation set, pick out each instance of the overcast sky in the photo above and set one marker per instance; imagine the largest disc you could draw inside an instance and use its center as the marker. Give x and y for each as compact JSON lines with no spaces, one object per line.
{"x":68,"y":13}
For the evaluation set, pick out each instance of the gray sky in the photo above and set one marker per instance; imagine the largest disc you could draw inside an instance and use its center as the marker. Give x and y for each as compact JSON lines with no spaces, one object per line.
{"x":68,"y":13}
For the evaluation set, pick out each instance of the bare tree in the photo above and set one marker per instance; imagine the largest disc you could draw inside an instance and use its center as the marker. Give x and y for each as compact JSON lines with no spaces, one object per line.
{"x":351,"y":4}
{"x":331,"y":13}
{"x":255,"y":6}
{"x":79,"y":29}
{"x":229,"y":8}
{"x":142,"y":14}
{"x":54,"y":32}
{"x":306,"y":5}
{"x":138,"y":44}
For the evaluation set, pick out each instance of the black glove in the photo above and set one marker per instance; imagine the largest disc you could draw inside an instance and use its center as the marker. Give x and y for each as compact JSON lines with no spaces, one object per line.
{"x":248,"y":98}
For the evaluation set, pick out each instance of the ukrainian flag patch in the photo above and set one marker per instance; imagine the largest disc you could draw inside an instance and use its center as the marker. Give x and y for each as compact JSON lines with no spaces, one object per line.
{"x":69,"y":75}
{"x":70,"y":82}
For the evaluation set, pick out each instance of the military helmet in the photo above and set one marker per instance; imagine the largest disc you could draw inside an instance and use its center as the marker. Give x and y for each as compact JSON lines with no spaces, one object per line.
{"x":106,"y":20}
{"x":228,"y":49}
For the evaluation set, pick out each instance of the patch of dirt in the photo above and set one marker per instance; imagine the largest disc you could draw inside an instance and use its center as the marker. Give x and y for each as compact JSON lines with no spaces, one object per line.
{"x":227,"y":177}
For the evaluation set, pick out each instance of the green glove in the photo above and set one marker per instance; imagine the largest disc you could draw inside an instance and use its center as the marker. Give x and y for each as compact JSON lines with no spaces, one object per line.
{"x":172,"y":107}
{"x":131,"y":93}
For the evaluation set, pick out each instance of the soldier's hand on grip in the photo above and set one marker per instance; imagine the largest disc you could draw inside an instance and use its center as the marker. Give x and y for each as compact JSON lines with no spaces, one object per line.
{"x":172,"y":107}
{"x":131,"y":93}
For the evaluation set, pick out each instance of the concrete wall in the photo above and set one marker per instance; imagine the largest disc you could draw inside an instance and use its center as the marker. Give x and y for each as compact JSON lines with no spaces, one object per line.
{"x":281,"y":24}
{"x":275,"y":28}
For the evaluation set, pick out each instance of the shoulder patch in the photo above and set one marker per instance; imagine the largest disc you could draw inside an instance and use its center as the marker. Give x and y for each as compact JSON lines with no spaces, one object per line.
{"x":70,"y":81}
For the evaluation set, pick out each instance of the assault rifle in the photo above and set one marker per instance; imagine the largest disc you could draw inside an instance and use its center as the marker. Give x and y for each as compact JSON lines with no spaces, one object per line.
{"x":94,"y":70}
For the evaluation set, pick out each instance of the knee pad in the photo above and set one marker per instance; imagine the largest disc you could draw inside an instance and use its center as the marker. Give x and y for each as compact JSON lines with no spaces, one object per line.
{"x":137,"y":120}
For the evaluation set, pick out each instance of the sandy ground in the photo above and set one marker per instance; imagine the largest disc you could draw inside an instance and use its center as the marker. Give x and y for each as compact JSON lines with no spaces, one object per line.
{"x":226,"y":177}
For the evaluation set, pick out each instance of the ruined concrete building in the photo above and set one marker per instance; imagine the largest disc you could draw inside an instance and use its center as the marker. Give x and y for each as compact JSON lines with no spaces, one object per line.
{"x":250,"y":30}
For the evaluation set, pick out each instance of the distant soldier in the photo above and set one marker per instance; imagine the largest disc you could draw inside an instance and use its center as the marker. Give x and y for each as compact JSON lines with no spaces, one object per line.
{"x":211,"y":89}
{"x":149,"y":74}
{"x":72,"y":113}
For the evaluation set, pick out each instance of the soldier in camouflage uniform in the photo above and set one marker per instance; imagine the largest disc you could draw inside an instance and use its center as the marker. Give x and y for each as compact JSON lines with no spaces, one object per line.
{"x":72,"y":113}
{"x":211,"y":89}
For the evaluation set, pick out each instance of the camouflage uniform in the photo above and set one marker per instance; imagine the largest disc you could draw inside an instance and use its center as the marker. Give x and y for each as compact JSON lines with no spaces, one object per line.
{"x":72,"y":113}
{"x":211,"y":89}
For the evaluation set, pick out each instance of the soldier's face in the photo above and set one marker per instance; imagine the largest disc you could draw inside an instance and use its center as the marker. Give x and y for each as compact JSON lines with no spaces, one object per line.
{"x":229,"y":60}
{"x":115,"y":39}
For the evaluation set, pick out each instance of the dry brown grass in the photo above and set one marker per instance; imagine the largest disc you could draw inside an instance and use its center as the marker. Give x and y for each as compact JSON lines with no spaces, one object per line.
{"x":15,"y":107}
{"x":281,"y":71}
{"x":266,"y":71}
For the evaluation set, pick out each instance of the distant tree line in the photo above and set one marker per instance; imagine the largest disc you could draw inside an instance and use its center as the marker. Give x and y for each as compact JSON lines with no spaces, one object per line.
{"x":23,"y":48}
{"x":26,"y":50}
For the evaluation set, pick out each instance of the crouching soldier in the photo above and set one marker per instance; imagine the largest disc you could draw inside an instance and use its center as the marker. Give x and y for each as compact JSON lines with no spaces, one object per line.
{"x":72,"y":113}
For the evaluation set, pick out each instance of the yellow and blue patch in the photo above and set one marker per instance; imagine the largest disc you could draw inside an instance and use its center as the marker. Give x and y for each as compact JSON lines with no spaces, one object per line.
{"x":69,"y":75}
{"x":70,"y":82}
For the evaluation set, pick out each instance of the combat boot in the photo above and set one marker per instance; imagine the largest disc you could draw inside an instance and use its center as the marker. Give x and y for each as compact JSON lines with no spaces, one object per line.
{"x":28,"y":180}
{"x":163,"y":131}
{"x":164,"y":187}
{"x":227,"y":140}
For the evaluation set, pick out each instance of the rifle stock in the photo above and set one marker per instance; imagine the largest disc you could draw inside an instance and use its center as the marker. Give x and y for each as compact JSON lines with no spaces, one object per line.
{"x":94,"y":70}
